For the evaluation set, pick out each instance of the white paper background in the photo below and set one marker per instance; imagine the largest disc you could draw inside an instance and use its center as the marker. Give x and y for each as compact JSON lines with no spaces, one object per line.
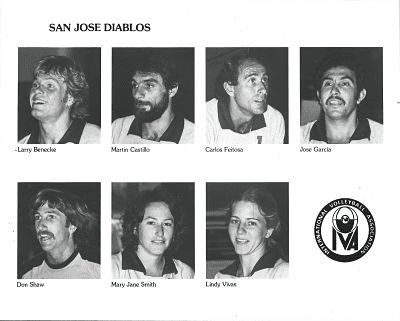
{"x":318,"y":288}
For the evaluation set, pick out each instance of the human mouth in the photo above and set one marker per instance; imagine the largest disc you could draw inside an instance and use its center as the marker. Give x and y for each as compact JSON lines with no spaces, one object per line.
{"x":335,"y":101}
{"x":44,"y":236}
{"x":241,"y":241}
{"x":158,"y":242}
{"x":36,"y":101}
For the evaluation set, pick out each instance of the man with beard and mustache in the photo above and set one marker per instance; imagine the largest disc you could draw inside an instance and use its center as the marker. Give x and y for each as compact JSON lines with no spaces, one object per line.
{"x":340,"y":84}
{"x":62,"y":222}
{"x":154,"y":84}
{"x":240,"y":114}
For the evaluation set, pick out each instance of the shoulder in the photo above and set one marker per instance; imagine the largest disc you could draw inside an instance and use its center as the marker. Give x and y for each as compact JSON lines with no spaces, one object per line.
{"x":120,"y":128}
{"x":90,"y":134}
{"x":27,"y":271}
{"x":376,"y":131}
{"x":281,"y":269}
{"x":305,"y":132}
{"x":212,"y":108}
{"x":116,"y":264}
{"x":25,"y":139}
{"x":187,"y":133}
{"x":184,"y":270}
{"x":93,"y":269}
{"x":273,"y":112}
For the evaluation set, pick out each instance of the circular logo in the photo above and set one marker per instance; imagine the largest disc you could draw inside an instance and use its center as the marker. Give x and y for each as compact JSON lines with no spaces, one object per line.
{"x":344,"y":230}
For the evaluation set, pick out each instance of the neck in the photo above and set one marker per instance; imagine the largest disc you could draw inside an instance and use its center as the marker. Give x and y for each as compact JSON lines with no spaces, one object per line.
{"x":155,"y":129}
{"x":154,"y":264}
{"x":59,"y":256}
{"x":52,"y":132}
{"x":339,"y":131}
{"x":241,"y":118}
{"x":248,"y":261}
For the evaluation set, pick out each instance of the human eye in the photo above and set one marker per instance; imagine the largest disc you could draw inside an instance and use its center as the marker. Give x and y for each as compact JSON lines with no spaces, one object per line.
{"x":36,"y":217}
{"x":345,"y":83}
{"x":234,"y":221}
{"x":168,"y":224}
{"x":327,"y":83}
{"x":252,"y":223}
{"x":51,"y":217}
{"x":150,"y":222}
{"x":35,"y":85}
{"x":149,"y":85}
{"x":134,"y":84}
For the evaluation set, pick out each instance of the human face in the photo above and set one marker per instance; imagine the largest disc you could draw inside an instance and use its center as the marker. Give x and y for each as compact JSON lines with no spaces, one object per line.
{"x":250,"y":93}
{"x":338,"y":93}
{"x":150,"y":97}
{"x":156,"y":229}
{"x":248,"y":229}
{"x":52,"y":231}
{"x":48,"y":97}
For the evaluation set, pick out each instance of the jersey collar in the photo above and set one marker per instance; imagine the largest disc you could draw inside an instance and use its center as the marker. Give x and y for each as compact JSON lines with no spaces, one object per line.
{"x":130,"y":261}
{"x":267,"y":261}
{"x":318,"y":130}
{"x":72,"y":135}
{"x":225,"y":120}
{"x":172,"y":134}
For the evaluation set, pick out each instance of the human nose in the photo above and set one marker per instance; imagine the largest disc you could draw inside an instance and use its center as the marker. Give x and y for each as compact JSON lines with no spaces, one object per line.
{"x":334,"y":88}
{"x":160,"y":230}
{"x":241,"y":229}
{"x":138,"y":92}
{"x":41,"y":223}
{"x":262,"y":87}
{"x":37,"y":88}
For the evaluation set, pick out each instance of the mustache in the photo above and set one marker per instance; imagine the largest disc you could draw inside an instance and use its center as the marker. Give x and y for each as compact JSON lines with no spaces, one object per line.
{"x":137,"y":102}
{"x":47,"y":233}
{"x":335,"y":97}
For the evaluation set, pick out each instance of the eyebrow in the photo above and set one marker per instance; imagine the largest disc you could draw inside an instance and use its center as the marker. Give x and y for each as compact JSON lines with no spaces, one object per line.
{"x":155,"y":218}
{"x":247,"y":218}
{"x":50,"y":210}
{"x":340,"y":77}
{"x":146,"y":80}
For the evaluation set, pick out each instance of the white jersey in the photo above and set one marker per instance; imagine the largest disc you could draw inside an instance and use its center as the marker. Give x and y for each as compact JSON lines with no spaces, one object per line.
{"x":367,"y":132}
{"x":74,"y":268}
{"x":127,"y":265}
{"x":79,"y":132}
{"x":267,"y":128}
{"x":128,"y":130}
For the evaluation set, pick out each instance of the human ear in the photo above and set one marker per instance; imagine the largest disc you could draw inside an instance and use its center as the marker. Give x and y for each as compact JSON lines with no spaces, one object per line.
{"x":319,"y":98}
{"x":269,"y":233}
{"x":72,"y":228}
{"x":229,"y":88}
{"x":361,"y":96}
{"x":69,"y":101}
{"x":172,"y":92}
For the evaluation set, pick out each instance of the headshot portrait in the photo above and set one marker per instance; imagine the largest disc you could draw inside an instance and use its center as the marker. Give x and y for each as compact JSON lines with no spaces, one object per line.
{"x":58,"y":231}
{"x":153,"y":95}
{"x":247,"y":95}
{"x":59,"y":96}
{"x":341,"y":96}
{"x":153,"y":231}
{"x":247,"y":230}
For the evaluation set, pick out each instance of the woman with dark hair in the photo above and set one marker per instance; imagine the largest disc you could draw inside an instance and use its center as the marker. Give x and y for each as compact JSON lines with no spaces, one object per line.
{"x":150,"y":226}
{"x":253,"y":221}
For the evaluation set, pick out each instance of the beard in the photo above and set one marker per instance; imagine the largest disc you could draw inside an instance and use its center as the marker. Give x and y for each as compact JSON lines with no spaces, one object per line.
{"x":154,"y":112}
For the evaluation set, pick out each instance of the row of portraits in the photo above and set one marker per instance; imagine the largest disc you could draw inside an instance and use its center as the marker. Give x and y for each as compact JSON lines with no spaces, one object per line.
{"x":153,"y":95}
{"x":153,"y":230}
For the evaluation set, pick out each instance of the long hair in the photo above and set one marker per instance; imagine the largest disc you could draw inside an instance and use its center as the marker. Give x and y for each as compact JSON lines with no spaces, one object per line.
{"x":74,"y":208}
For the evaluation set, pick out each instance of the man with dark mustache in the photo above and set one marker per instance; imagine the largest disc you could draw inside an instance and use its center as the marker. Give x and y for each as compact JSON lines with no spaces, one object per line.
{"x":62,"y":222}
{"x":154,"y":84}
{"x":240,"y":114}
{"x":340,"y":91}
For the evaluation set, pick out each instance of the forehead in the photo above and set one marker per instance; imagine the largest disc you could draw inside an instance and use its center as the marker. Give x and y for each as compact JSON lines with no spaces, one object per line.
{"x":246,"y":210}
{"x":49,"y":76}
{"x":339,"y":72}
{"x":140,"y":76}
{"x":249,"y":67}
{"x":46,"y":209}
{"x":158,"y":210}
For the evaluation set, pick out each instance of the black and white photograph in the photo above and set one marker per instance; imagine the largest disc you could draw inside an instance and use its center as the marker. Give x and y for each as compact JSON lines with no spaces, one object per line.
{"x":153,"y":95}
{"x":59,"y":96}
{"x":153,"y":231}
{"x":247,"y":230}
{"x":341,"y":95}
{"x":247,"y":95}
{"x":58,"y":230}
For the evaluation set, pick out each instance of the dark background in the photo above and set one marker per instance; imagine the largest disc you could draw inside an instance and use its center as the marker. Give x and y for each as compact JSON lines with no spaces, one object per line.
{"x":276,"y":59}
{"x":28,"y":246}
{"x":219,"y":196}
{"x":372,"y":63}
{"x":183,"y":248}
{"x":122,"y":60}
{"x":89,"y":61}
